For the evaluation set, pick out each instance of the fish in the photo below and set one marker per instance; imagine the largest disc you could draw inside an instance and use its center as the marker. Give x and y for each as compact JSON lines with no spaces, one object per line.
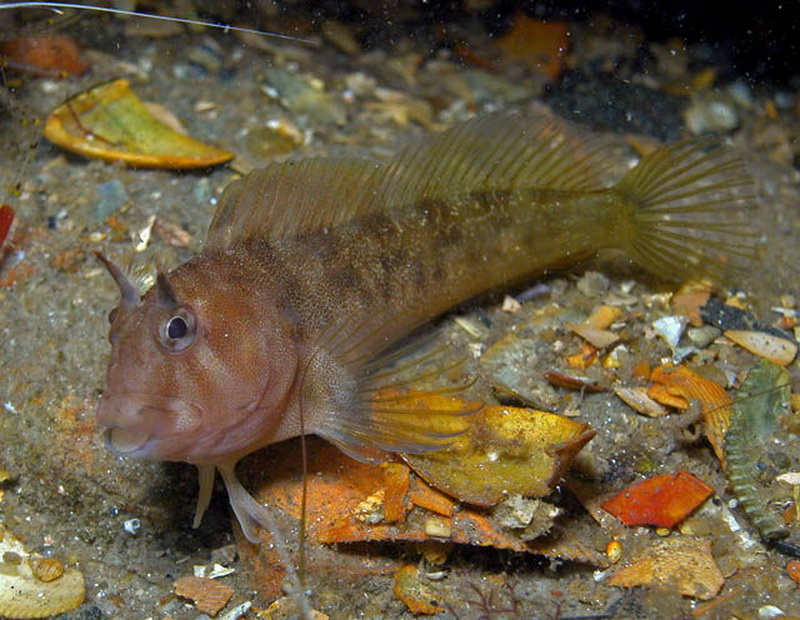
{"x":313,"y":271}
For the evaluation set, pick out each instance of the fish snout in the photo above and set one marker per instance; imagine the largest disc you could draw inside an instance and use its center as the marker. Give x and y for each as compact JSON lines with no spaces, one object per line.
{"x":136,"y":424}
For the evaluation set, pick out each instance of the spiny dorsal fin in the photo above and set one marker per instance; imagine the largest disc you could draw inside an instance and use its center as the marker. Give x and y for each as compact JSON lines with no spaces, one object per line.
{"x":293,"y":197}
{"x":498,"y":152}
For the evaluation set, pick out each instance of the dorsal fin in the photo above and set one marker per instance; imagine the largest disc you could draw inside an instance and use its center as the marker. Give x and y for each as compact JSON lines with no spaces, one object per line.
{"x":498,"y":152}
{"x":293,"y":197}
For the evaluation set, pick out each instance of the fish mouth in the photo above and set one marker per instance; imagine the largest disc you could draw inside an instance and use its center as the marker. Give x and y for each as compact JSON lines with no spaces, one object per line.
{"x":125,"y":441}
{"x":142,"y":425}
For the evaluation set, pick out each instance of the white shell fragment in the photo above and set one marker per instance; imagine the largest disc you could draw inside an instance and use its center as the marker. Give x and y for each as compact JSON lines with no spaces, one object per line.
{"x":638,"y":400}
{"x":671,"y":328}
{"x":23,"y":595}
{"x":791,"y":478}
{"x":774,"y":348}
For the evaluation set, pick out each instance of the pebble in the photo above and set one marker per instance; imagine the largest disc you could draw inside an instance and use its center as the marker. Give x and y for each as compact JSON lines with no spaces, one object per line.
{"x":701,"y":337}
{"x":711,"y":114}
{"x":112,"y":196}
{"x":593,"y":284}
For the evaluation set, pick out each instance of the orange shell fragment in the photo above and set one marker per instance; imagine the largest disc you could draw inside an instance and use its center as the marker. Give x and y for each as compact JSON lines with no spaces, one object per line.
{"x":541,"y":45}
{"x":690,"y":299}
{"x":677,"y":385}
{"x":793,"y":570}
{"x":208,"y":595}
{"x":397,"y":478}
{"x":111,"y":123}
{"x":47,"y":55}
{"x":663,"y":501}
{"x":685,"y":562}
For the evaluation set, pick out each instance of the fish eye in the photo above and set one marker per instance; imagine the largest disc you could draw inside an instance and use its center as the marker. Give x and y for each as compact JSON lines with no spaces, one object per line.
{"x":178,"y":331}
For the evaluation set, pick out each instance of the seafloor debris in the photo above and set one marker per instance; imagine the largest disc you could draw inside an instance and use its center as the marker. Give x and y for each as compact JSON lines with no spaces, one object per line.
{"x":33,"y":586}
{"x":304,"y":94}
{"x":690,"y":298}
{"x":506,"y":451}
{"x":773,"y":348}
{"x":685,"y":561}
{"x":662,"y":501}
{"x":595,"y":328}
{"x":208,"y":594}
{"x":676,"y":386}
{"x":416,"y":594}
{"x":6,"y":219}
{"x":751,"y":447}
{"x":47,"y":55}
{"x":285,"y":608}
{"x":638,"y":400}
{"x":542,"y":46}
{"x":110,"y":122}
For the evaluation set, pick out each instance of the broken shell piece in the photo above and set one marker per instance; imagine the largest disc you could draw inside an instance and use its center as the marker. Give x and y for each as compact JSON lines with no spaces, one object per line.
{"x":208,"y":595}
{"x":675,"y":386}
{"x":110,"y":122}
{"x":685,"y":562}
{"x":46,"y":569}
{"x":603,"y":317}
{"x":690,"y":298}
{"x":670,"y":328}
{"x":409,"y":588}
{"x":506,"y":450}
{"x":778,"y":350}
{"x":637,"y":399}
{"x":284,"y":609}
{"x":791,"y":478}
{"x":663,"y":501}
{"x":371,"y":509}
{"x":600,"y":338}
{"x":35,"y":587}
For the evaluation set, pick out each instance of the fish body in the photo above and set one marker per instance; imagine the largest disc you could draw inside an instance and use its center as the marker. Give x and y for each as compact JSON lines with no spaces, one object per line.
{"x":313,"y":269}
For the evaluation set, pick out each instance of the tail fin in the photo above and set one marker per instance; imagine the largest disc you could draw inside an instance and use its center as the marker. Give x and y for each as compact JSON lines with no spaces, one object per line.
{"x":692,"y":202}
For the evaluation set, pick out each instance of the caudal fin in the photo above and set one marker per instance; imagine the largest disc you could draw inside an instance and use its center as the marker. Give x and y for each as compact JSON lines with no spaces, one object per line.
{"x":692,"y":212}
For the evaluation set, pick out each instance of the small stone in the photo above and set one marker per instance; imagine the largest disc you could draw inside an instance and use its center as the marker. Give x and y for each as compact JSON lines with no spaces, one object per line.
{"x":713,"y":113}
{"x":593,"y":284}
{"x":701,"y":337}
{"x":112,"y":196}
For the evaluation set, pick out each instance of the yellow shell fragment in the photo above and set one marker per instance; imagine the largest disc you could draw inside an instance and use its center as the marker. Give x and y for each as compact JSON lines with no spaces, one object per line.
{"x":110,"y":122}
{"x":507,"y":450}
{"x":35,"y":587}
{"x":774,"y":348}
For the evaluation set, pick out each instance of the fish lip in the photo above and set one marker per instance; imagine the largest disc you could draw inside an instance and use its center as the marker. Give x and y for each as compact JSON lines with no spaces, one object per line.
{"x":138,"y":424}
{"x":125,"y":441}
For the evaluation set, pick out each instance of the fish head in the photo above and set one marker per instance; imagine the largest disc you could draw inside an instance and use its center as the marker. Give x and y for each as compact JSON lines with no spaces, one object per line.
{"x":201,"y":368}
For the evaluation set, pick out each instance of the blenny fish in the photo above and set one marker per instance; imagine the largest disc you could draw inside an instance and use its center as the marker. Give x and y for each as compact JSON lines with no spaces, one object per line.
{"x":313,"y":269}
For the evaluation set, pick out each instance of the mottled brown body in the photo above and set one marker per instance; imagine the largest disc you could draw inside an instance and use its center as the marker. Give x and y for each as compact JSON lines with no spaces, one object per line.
{"x":410,"y":265}
{"x":313,"y":269}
